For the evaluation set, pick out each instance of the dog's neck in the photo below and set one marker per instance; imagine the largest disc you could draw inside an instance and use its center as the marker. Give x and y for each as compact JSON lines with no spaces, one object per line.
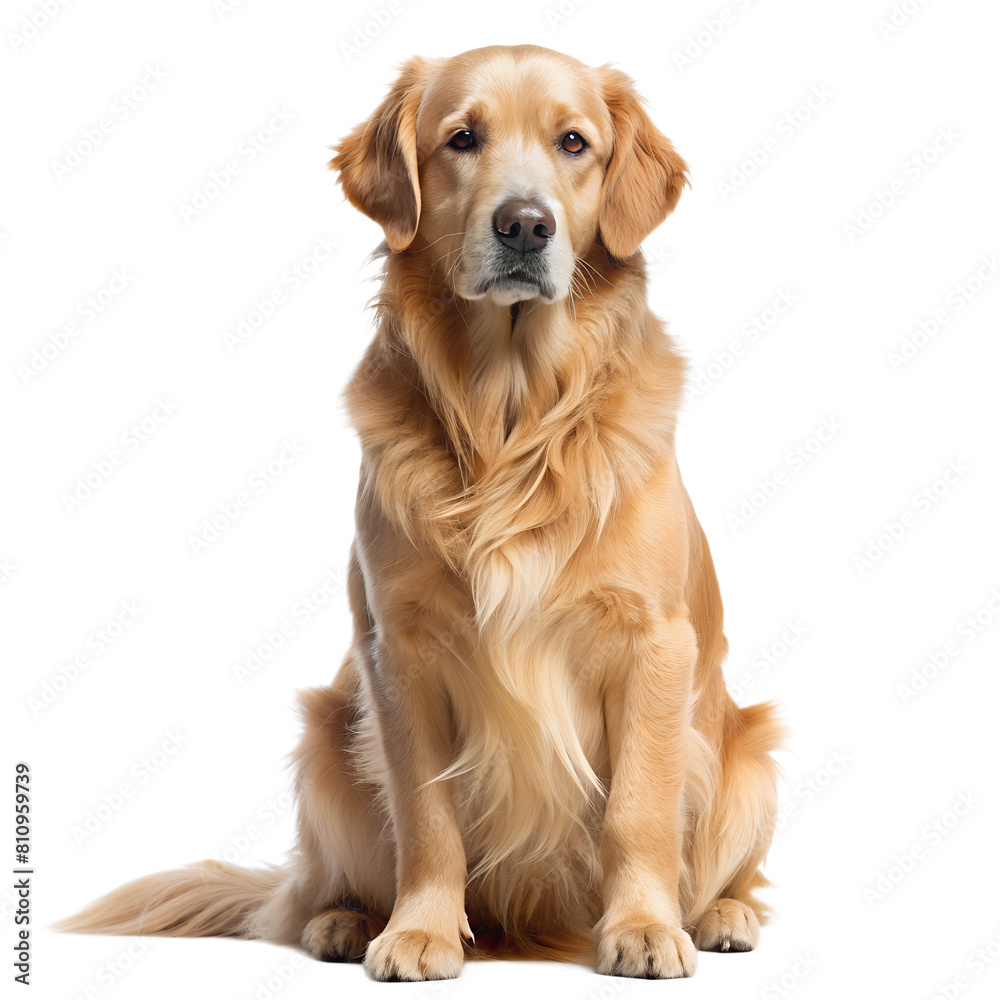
{"x":498,"y":375}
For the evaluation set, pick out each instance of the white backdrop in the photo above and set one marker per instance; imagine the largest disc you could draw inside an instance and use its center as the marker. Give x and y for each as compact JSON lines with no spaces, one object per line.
{"x":184,"y":296}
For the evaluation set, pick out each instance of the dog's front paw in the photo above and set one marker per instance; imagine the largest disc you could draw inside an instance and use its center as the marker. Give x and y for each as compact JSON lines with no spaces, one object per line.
{"x":645,"y":951}
{"x":413,"y":955}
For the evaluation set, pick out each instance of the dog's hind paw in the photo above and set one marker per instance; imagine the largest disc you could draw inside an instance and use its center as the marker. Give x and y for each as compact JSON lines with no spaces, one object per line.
{"x":727,"y":925}
{"x":340,"y":934}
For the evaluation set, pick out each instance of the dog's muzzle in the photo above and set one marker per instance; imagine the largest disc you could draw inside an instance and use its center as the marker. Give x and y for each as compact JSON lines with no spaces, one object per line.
{"x":518,"y":266}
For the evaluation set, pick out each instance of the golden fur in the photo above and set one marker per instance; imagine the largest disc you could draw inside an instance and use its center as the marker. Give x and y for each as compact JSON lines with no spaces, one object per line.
{"x":531,"y":734}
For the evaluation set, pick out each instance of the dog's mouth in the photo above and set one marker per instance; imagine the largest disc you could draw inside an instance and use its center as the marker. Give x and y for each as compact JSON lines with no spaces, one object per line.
{"x":514,"y":280}
{"x":511,"y":280}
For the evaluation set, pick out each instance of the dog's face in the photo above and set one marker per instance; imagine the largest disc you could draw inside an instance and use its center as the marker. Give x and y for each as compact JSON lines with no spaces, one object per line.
{"x":504,"y":165}
{"x":512,"y":158}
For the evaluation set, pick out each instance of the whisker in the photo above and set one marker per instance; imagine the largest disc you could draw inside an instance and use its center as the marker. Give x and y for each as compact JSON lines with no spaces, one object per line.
{"x":447,"y":253}
{"x":590,"y":267}
{"x":440,"y":238}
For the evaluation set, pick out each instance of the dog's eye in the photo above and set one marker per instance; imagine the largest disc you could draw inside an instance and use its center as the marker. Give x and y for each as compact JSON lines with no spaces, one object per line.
{"x":463,"y":140}
{"x":573,"y":142}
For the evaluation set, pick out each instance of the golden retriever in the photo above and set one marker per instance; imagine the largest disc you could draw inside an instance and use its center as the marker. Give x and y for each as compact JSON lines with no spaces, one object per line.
{"x":529,"y":748}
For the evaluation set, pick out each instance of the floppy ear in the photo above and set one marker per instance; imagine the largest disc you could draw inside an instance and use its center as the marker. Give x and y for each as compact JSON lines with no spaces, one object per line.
{"x":645,"y":175}
{"x":377,"y":162}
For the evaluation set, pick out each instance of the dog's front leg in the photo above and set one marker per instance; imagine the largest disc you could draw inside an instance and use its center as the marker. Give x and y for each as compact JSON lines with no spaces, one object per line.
{"x":645,"y":708}
{"x":423,"y":937}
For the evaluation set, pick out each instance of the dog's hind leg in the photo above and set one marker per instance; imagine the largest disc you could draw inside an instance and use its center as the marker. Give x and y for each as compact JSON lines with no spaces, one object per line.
{"x":344,"y":851}
{"x":729,"y":839}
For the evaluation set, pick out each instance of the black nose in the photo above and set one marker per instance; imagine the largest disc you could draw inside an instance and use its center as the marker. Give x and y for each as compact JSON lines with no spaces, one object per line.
{"x":524,"y":225}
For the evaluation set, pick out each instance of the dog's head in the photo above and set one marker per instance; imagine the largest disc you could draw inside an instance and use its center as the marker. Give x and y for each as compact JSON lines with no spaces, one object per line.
{"x":504,"y":165}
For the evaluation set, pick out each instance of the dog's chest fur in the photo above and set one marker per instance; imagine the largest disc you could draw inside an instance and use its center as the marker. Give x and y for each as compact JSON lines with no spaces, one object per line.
{"x":500,"y":466}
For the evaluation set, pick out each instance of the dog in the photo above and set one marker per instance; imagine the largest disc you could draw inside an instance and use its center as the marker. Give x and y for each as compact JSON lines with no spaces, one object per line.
{"x":529,"y":748}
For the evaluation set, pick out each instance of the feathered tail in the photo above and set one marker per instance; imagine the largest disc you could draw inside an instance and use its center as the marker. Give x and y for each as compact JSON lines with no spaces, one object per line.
{"x":207,"y":899}
{"x":213,"y":899}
